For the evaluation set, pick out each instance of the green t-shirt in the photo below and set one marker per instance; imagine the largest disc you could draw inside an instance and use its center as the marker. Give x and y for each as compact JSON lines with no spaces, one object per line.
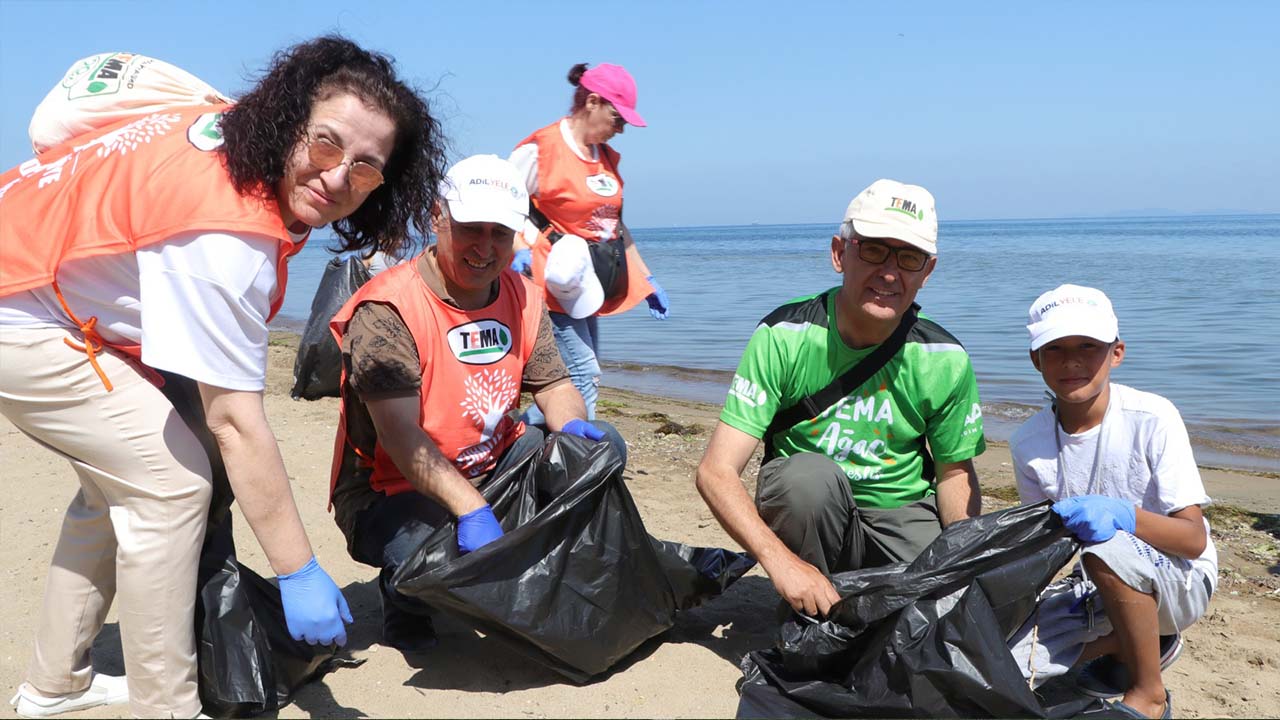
{"x":876,"y":434}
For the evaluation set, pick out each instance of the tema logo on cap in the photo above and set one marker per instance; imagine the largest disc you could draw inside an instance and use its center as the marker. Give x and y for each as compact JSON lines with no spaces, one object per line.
{"x":906,"y":207}
{"x":480,"y":343}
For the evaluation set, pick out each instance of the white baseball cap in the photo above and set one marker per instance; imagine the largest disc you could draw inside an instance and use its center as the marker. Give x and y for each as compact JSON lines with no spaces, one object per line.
{"x":571,"y":277}
{"x":1071,"y":310}
{"x":486,"y":188}
{"x":892,"y":209}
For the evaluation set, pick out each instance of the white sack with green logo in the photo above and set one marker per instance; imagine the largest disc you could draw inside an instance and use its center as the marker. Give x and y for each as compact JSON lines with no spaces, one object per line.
{"x":100,"y":89}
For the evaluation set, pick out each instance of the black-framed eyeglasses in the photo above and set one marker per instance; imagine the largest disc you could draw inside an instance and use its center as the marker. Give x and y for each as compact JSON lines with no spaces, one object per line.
{"x":877,"y":253}
{"x":327,"y":155}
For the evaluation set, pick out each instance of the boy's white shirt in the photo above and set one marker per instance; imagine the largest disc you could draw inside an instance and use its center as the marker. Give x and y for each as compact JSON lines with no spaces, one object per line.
{"x":1145,"y":458}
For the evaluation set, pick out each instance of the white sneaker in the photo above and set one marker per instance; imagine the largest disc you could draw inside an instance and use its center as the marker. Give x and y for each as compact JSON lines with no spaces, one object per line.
{"x":103,"y":690}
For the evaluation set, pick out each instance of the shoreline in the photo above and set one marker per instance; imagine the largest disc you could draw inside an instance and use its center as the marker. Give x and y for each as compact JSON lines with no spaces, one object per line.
{"x":706,"y":385}
{"x":709,"y":385}
{"x":1231,"y":488}
{"x":1001,"y":418}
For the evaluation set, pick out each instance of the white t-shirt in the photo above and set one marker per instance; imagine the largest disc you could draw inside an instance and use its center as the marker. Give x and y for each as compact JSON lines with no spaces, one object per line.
{"x":525,"y":158}
{"x":1142,"y":451}
{"x":197,"y":303}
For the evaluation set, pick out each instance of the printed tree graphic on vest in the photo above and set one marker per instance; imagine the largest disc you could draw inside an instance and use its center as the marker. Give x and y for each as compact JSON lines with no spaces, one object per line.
{"x":490,"y":394}
{"x":604,"y":221}
{"x":127,"y":138}
{"x":133,"y":135}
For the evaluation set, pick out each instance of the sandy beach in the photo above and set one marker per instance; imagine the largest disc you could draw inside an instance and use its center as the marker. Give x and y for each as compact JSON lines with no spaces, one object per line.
{"x":1231,"y":665}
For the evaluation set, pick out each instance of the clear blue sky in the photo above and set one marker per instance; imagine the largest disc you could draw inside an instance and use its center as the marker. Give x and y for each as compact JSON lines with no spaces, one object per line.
{"x":779,"y":112}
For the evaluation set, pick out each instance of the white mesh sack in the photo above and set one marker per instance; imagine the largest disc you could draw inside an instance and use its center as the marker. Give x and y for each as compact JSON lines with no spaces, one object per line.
{"x":103,"y":88}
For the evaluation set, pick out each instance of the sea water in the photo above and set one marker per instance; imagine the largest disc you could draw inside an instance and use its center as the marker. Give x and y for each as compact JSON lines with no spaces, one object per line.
{"x":1198,"y":299}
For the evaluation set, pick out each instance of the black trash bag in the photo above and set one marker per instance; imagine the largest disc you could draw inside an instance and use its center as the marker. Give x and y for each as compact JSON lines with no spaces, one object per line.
{"x":921,"y":639}
{"x":248,"y":662}
{"x":698,"y":573}
{"x":576,"y":583}
{"x":317,"y":371}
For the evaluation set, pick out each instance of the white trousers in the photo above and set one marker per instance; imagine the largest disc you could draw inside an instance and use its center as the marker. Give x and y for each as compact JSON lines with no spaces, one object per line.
{"x":134,"y":530}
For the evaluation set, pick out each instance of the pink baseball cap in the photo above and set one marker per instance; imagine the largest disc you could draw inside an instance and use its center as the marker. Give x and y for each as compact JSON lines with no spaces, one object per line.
{"x":615,"y":84}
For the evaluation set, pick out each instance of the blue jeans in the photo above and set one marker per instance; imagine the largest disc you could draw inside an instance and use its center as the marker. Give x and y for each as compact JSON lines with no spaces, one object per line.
{"x":578,"y":341}
{"x":387,"y":532}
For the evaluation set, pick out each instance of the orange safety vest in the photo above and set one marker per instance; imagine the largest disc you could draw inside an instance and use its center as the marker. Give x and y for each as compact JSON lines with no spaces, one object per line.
{"x":583,"y":198}
{"x":472,"y":366}
{"x":132,"y":184}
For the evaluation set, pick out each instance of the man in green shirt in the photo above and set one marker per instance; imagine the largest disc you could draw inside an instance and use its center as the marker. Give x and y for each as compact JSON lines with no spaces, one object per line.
{"x":872,"y":478}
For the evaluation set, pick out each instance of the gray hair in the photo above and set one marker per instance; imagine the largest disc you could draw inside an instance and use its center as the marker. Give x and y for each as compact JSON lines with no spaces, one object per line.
{"x":846,"y":230}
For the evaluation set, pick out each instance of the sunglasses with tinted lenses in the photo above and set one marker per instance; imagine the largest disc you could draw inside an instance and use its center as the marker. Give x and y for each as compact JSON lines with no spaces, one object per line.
{"x":327,"y":155}
{"x":876,"y":253}
{"x":618,"y":120}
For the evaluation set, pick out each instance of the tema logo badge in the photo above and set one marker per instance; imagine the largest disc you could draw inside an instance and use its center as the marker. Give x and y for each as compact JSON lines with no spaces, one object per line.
{"x":480,"y":343}
{"x":98,"y":75}
{"x":204,"y":133}
{"x":604,"y":185}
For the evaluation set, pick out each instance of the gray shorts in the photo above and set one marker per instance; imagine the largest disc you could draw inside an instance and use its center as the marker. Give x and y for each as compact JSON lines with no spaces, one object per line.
{"x":1182,"y":592}
{"x":1070,"y":613}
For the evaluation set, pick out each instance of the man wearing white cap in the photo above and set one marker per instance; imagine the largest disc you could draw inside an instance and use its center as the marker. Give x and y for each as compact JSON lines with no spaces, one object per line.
{"x":846,"y":388}
{"x":435,"y":354}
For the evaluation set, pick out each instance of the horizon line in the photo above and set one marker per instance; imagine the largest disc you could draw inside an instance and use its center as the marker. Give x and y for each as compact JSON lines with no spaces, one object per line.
{"x":1121,"y":216}
{"x":1196,"y":214}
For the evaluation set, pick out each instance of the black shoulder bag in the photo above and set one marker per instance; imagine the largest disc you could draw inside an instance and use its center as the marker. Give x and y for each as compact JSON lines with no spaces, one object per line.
{"x":815,"y":404}
{"x":608,"y":257}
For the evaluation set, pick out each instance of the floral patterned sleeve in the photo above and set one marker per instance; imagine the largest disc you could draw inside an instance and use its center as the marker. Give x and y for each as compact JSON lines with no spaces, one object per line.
{"x":545,"y":368}
{"x":379,"y":354}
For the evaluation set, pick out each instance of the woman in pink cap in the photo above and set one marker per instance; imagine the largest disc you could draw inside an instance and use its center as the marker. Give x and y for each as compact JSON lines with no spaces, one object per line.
{"x":575,"y":189}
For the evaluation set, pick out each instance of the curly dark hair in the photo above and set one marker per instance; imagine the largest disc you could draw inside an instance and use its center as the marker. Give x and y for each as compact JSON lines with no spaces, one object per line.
{"x":262,"y":129}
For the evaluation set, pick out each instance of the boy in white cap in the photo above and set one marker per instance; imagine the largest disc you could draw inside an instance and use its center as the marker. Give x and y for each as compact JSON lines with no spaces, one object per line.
{"x":1118,"y":465}
{"x":435,"y":354}
{"x":845,"y":388}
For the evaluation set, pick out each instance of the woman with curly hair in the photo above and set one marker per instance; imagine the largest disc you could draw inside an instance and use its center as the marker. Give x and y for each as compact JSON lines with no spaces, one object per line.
{"x":159,"y":245}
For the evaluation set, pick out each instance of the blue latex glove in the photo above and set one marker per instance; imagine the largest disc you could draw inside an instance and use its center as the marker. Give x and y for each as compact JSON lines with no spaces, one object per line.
{"x":583,"y":429}
{"x":658,"y":301}
{"x":522,"y":262}
{"x":1096,"y":518}
{"x":314,"y":608}
{"x":477,"y":529}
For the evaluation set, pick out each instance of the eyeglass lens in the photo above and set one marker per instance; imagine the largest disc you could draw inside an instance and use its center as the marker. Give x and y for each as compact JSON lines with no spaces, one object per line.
{"x":326,"y":155}
{"x":877,"y":253}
